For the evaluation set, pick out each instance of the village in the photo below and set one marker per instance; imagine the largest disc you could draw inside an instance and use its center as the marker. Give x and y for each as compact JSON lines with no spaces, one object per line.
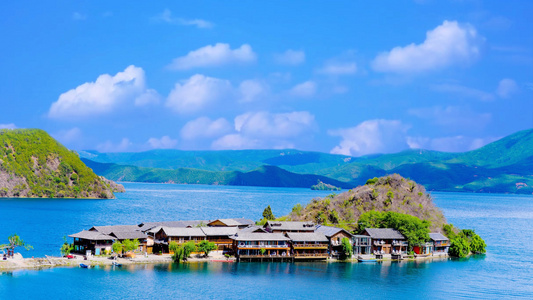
{"x":241,"y":239}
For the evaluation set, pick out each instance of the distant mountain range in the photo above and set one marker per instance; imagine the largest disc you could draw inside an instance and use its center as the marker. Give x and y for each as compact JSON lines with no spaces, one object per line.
{"x":504,"y":166}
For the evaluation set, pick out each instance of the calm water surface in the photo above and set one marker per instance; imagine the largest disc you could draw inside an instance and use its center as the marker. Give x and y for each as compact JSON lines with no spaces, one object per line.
{"x":504,"y":221}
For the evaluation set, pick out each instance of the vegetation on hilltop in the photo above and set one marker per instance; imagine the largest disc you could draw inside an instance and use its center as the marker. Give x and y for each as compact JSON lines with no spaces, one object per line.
{"x":391,"y":193}
{"x":320,"y":186}
{"x":33,"y":164}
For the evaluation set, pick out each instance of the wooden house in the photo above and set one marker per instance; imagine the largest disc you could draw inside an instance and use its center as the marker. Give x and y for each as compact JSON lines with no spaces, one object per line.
{"x":288,"y":226}
{"x":335,"y":236}
{"x":164,"y":235}
{"x":221,"y":236}
{"x":96,"y":242}
{"x":239,"y":223}
{"x":260,"y":246}
{"x":132,"y":235}
{"x":309,"y":245}
{"x":387,"y":242}
{"x":441,"y":244}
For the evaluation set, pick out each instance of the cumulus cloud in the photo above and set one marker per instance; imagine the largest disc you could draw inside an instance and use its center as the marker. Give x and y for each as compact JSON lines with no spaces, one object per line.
{"x":464,"y":91}
{"x":290,"y":57}
{"x":197,"y":92}
{"x":338,"y":68}
{"x":109,"y":146}
{"x":166,"y":16}
{"x":447,"y":44}
{"x":68,"y":136}
{"x":204,"y":127}
{"x":372,"y":136}
{"x":8,"y":126}
{"x":457,"y":143}
{"x":267,"y":130}
{"x":165,"y":142}
{"x":506,"y":88}
{"x":453,"y":116}
{"x":150,"y":96}
{"x":252,"y":90}
{"x":305,"y":90}
{"x":212,"y":56}
{"x":101,"y":96}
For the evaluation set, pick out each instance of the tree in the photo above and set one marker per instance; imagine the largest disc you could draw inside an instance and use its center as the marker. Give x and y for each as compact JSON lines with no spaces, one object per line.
{"x":459,"y":247}
{"x":66,"y":248}
{"x":173,"y":246}
{"x":14,"y":242}
{"x":117,"y":247}
{"x":188,"y":248}
{"x":267,"y":214}
{"x":346,"y":248}
{"x":206,"y":247}
{"x":179,"y":254}
{"x":130,"y":245}
{"x":263,"y":251}
{"x":477,"y":244}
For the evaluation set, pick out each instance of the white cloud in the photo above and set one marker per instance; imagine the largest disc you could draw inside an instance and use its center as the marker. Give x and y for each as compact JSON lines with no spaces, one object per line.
{"x":290,"y":57}
{"x":449,"y":144}
{"x":68,"y":136}
{"x":506,"y":88}
{"x":453,"y":117}
{"x":197,"y":92}
{"x":252,"y":90}
{"x":464,"y":91}
{"x":78,"y":16}
{"x":101,"y":96}
{"x":211,"y":56}
{"x":255,"y":130}
{"x":166,"y":16}
{"x":448,"y":44}
{"x":204,"y":127}
{"x":338,"y":68}
{"x":165,"y":142}
{"x":305,"y":90}
{"x":109,"y":146}
{"x":8,"y":126}
{"x":149,"y":97}
{"x":372,"y":136}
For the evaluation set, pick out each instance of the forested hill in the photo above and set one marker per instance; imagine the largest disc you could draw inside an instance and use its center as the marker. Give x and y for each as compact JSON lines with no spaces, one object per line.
{"x":33,"y":164}
{"x":504,"y":166}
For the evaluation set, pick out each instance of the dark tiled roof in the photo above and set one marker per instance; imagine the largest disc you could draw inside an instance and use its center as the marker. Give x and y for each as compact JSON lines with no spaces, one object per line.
{"x":114,"y":228}
{"x":92,"y":235}
{"x":291,"y":225}
{"x":192,"y":223}
{"x":307,"y":237}
{"x":330,"y":231}
{"x":218,"y":231}
{"x":260,"y":237}
{"x":252,"y":228}
{"x":181,"y":231}
{"x":385,"y":233}
{"x":437,"y":237}
{"x":129,"y":235}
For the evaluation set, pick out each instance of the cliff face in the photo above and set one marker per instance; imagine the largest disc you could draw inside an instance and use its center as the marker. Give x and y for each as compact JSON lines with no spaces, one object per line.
{"x":389,"y":193}
{"x":33,"y":164}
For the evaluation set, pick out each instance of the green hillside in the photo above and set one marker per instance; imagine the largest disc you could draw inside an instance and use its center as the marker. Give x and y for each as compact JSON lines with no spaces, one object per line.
{"x":504,"y":166}
{"x":33,"y":164}
{"x":263,"y":176}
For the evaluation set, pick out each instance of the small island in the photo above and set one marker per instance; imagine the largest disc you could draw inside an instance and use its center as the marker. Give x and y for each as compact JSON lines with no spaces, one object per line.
{"x":321,"y":186}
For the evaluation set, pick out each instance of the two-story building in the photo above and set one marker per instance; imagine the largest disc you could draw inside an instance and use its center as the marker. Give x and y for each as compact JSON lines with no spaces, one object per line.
{"x":441,"y":244}
{"x":335,"y":236}
{"x":261,"y":246}
{"x":289,"y":226}
{"x":387,"y":242}
{"x":309,"y":245}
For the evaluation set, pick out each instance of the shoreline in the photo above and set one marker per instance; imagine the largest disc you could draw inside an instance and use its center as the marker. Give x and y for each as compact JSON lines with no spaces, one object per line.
{"x":48,"y":262}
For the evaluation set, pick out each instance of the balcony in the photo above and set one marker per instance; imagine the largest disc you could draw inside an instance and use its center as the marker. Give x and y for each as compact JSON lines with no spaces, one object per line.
{"x":310,"y":246}
{"x":311,"y":255}
{"x":244,"y":246}
{"x":379,"y":243}
{"x":399,"y":243}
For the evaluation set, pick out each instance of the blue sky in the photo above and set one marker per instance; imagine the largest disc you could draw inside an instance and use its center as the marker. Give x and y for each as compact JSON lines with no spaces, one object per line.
{"x":344,"y":77}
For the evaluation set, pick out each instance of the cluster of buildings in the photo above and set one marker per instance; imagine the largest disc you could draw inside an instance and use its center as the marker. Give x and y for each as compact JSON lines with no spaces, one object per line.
{"x":276,"y":240}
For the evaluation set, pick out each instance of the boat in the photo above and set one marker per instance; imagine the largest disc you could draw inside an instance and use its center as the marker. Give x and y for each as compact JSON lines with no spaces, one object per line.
{"x":362,"y":259}
{"x":116,"y":264}
{"x":84,"y":266}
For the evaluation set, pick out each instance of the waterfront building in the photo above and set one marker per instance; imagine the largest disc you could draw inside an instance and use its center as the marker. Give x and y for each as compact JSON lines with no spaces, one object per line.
{"x":238,"y":222}
{"x":221,"y":236}
{"x":164,"y":235}
{"x":335,"y":236}
{"x":362,"y":244}
{"x":92,"y":242}
{"x":261,"y":246}
{"x":309,"y":245}
{"x":441,"y":244}
{"x":387,"y":242}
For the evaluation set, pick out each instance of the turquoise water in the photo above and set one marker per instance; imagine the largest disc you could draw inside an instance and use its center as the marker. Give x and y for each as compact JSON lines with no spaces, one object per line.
{"x":504,"y":221}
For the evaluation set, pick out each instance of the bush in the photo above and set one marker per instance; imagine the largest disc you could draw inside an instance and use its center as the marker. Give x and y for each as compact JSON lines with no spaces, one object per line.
{"x":460,"y":247}
{"x":346,"y":248}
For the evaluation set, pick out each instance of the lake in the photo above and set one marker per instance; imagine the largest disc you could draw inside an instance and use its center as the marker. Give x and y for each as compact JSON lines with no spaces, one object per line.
{"x":504,"y":221}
